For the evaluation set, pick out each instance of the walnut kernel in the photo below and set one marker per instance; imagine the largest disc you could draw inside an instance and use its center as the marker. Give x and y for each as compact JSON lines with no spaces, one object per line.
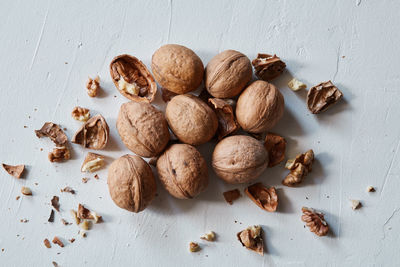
{"x":92,"y":162}
{"x":315,"y":221}
{"x":296,"y":85}
{"x":26,"y":191}
{"x":210,"y":236}
{"x":194,"y":247}
{"x":80,"y":114}
{"x":59,"y":154}
{"x":47,"y":243}
{"x":299,"y":168}
{"x":93,"y":86}
{"x":231,"y":195}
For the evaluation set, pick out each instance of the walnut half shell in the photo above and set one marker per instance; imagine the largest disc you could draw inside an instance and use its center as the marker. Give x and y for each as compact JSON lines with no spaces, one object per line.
{"x":268,"y":67}
{"x":299,"y":168}
{"x":132,"y":78}
{"x":276,"y":146}
{"x":93,"y":134}
{"x":265,"y":198}
{"x":322,"y":96}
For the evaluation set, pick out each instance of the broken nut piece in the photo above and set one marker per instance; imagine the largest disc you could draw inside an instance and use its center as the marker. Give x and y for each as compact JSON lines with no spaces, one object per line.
{"x":231,"y":195}
{"x":167,"y":95}
{"x":93,"y":134}
{"x":276,"y":146}
{"x":92,"y":162}
{"x":194,"y":247}
{"x":68,"y":189}
{"x":26,"y":191}
{"x":15,"y":171}
{"x":55,"y":203}
{"x":315,"y":221}
{"x":86,"y":225}
{"x":57,"y":241}
{"x":299,"y":168}
{"x":54,"y":132}
{"x":227,"y":123}
{"x":210,"y":236}
{"x":93,"y":86}
{"x":370,"y":189}
{"x":296,"y":85}
{"x":251,"y":238}
{"x":80,"y":114}
{"x":268,"y":67}
{"x":47,"y":243}
{"x":74,"y":215}
{"x":322,"y":96}
{"x":265,"y":198}
{"x":59,"y":154}
{"x":355,"y":204}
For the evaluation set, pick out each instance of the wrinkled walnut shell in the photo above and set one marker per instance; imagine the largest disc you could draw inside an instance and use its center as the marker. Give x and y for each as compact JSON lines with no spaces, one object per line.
{"x":239,"y":159}
{"x":177,"y":68}
{"x":191,"y":120}
{"x":227,"y":74}
{"x":93,"y":134}
{"x":299,"y":168}
{"x":315,"y":221}
{"x":268,"y":67}
{"x":276,"y":146}
{"x":226,"y":119}
{"x":322,"y":96}
{"x":231,"y":195}
{"x":259,"y":107}
{"x":131,"y":183}
{"x":15,"y":171}
{"x":132,"y":78}
{"x":142,"y":128}
{"x":183,"y":171}
{"x":265,"y":198}
{"x":54,"y":132}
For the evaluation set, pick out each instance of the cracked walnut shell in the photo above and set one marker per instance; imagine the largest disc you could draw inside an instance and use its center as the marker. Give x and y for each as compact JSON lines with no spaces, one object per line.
{"x":315,"y":221}
{"x":80,"y":114}
{"x":276,"y":146}
{"x":268,"y":67}
{"x":239,"y":159}
{"x":143,"y":128}
{"x":15,"y":171}
{"x":131,"y":183}
{"x":265,"y":198}
{"x":322,"y":96}
{"x":132,"y":78}
{"x":227,"y":74}
{"x":259,"y":107}
{"x":183,"y":171}
{"x":93,"y":134}
{"x":177,"y":68}
{"x":227,"y":123}
{"x":92,"y":162}
{"x":54,"y":132}
{"x":251,"y":238}
{"x":299,"y":168}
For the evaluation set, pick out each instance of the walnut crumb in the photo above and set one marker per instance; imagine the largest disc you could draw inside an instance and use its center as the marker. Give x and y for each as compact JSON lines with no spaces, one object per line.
{"x":80,"y":114}
{"x":26,"y":191}
{"x":355,"y":204}
{"x":68,"y":189}
{"x":82,"y":233}
{"x":371,"y":189}
{"x":65,"y":222}
{"x":231,"y":195}
{"x":24,"y":220}
{"x":57,"y":241}
{"x":85,"y":180}
{"x":93,"y":86}
{"x":210,"y":236}
{"x":86,"y":225}
{"x":74,"y":215}
{"x":72,"y":240}
{"x":194,"y":247}
{"x":47,"y":243}
{"x":296,"y":85}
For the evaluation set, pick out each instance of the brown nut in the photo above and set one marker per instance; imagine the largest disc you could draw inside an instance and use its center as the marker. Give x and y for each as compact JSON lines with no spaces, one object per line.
{"x":132,"y":79}
{"x":299,"y":168}
{"x":315,"y":221}
{"x":80,"y":114}
{"x":142,"y":128}
{"x":93,"y":134}
{"x":177,"y":68}
{"x":131,"y":183}
{"x":268,"y":67}
{"x":322,"y":96}
{"x":227,"y":74}
{"x":183,"y":171}
{"x":54,"y":132}
{"x":93,"y":86}
{"x":191,"y":120}
{"x":276,"y":146}
{"x":251,"y":238}
{"x":265,"y":198}
{"x":59,"y":154}
{"x":239,"y":159}
{"x":15,"y":171}
{"x":227,"y":123}
{"x":259,"y":107}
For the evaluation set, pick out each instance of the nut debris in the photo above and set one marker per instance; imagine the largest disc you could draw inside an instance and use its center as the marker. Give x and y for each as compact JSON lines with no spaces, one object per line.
{"x":15,"y":171}
{"x":231,"y":195}
{"x":93,"y":134}
{"x":47,"y":243}
{"x":59,"y":154}
{"x":92,"y":162}
{"x":82,"y":233}
{"x":54,"y":132}
{"x":355,"y":204}
{"x":85,"y":180}
{"x":371,"y":189}
{"x":85,"y":214}
{"x":315,"y":221}
{"x":276,"y":146}
{"x":194,"y":247}
{"x":26,"y":191}
{"x":210,"y":236}
{"x":299,"y":168}
{"x":55,"y":203}
{"x":72,"y":240}
{"x":251,"y":238}
{"x":322,"y":96}
{"x":86,"y":225}
{"x":167,"y":95}
{"x":65,"y":222}
{"x":268,"y":67}
{"x":57,"y":241}
{"x":68,"y":189}
{"x":227,"y":123}
{"x":265,"y":198}
{"x":296,"y":85}
{"x":80,"y":114}
{"x":74,"y":215}
{"x":51,"y":217}
{"x":93,"y":86}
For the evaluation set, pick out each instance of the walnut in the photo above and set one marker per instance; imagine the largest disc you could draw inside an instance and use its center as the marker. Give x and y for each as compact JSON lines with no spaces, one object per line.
{"x":227,"y":74}
{"x":143,"y":128}
{"x":131,"y":183}
{"x":259,"y":107}
{"x":55,"y":203}
{"x":191,"y":120}
{"x":315,"y":221}
{"x":183,"y":171}
{"x":132,"y":78}
{"x":265,"y":198}
{"x":268,"y":67}
{"x":231,"y":195}
{"x":322,"y":96}
{"x":227,"y":123}
{"x":80,"y":114}
{"x":210,"y":236}
{"x":299,"y":168}
{"x":177,"y":68}
{"x":54,"y":132}
{"x":15,"y":171}
{"x":239,"y":159}
{"x":251,"y":238}
{"x":194,"y":247}
{"x":370,"y":189}
{"x":93,"y":134}
{"x":355,"y":204}
{"x":167,"y":95}
{"x":57,"y":241}
{"x":296,"y":85}
{"x":92,"y":162}
{"x":26,"y":191}
{"x":276,"y":146}
{"x":93,"y":86}
{"x":59,"y":154}
{"x":47,"y":243}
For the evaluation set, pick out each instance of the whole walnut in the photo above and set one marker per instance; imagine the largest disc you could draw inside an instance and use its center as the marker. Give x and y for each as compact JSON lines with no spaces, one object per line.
{"x":183,"y":171}
{"x":227,"y":74}
{"x":131,"y":183}
{"x":142,"y":128}
{"x":177,"y":68}
{"x":259,"y":107}
{"x":191,"y":119}
{"x":239,"y":159}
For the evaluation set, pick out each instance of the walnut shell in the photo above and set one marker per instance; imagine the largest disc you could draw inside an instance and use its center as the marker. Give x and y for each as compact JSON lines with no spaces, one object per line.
{"x":142,"y":128}
{"x":93,"y":134}
{"x":183,"y":171}
{"x":191,"y":120}
{"x":259,"y":107}
{"x":227,"y":74}
{"x":177,"y":68}
{"x":239,"y":159}
{"x":132,"y":78}
{"x":131,"y":183}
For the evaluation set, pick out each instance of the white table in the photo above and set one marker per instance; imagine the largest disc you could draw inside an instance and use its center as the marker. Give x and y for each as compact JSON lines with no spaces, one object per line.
{"x":48,"y":48}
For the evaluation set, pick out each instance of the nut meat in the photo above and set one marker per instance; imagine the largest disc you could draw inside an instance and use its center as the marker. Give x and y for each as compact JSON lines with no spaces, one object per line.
{"x":265,"y":198}
{"x":226,"y":119}
{"x":93,"y":86}
{"x":92,"y":162}
{"x":251,"y":238}
{"x":54,"y":132}
{"x":299,"y":168}
{"x":132,"y":78}
{"x":268,"y":67}
{"x":59,"y":154}
{"x":322,"y":96}
{"x":315,"y":221}
{"x":276,"y":146}
{"x":15,"y":171}
{"x":93,"y":134}
{"x":80,"y":114}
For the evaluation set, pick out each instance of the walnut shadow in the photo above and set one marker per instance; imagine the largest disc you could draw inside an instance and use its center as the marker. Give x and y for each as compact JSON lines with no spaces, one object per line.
{"x":113,"y":143}
{"x":317,"y":174}
{"x":288,"y":125}
{"x":284,"y":205}
{"x":269,"y":248}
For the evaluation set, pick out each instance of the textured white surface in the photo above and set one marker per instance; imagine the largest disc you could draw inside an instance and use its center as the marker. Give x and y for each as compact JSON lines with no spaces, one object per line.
{"x":48,"y":48}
